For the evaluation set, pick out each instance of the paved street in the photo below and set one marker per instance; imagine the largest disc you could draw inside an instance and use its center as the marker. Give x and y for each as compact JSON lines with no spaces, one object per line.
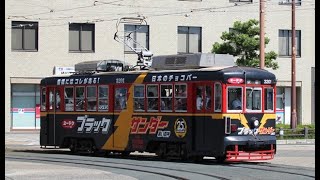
{"x":289,"y":152}
{"x":293,"y":153}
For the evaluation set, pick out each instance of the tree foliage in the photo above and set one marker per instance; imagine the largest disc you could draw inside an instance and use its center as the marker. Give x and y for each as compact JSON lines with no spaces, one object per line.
{"x":243,"y":42}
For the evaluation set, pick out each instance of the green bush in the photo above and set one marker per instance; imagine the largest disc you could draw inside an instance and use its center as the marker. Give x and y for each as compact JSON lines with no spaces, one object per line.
{"x":298,"y":133}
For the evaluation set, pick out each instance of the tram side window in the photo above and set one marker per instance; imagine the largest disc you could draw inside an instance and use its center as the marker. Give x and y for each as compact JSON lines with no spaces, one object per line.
{"x":103,"y":98}
{"x":217,"y":97}
{"x":51,"y":99}
{"x":199,"y":99}
{"x":208,"y":96}
{"x":58,"y":99}
{"x":234,"y":98}
{"x":180,"y":97}
{"x":166,"y":97}
{"x":80,"y":99}
{"x":68,"y":98}
{"x":152,"y":97}
{"x":43,"y":99}
{"x":91,"y":98}
{"x":253,"y":99}
{"x":268,"y":99}
{"x":121,"y":99}
{"x":139,"y":98}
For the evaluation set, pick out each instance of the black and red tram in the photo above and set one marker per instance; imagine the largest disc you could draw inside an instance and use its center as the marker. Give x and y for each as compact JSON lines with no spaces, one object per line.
{"x":223,"y":112}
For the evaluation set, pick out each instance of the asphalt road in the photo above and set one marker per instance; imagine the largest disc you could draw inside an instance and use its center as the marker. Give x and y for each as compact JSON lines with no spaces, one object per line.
{"x":289,"y":157}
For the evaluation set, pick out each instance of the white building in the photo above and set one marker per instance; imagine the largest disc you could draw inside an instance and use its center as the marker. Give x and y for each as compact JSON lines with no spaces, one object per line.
{"x":43,"y":35}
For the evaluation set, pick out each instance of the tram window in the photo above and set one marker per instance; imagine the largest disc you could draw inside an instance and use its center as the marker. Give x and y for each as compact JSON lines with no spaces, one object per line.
{"x":208,"y":96}
{"x":58,"y":99}
{"x":91,"y":98}
{"x":152,"y":97}
{"x":268,"y":99}
{"x":103,"y":98}
{"x":139,"y":98}
{"x":121,"y":99}
{"x":68,"y":98}
{"x":235,"y":98}
{"x":199,"y":99}
{"x":217,"y":97}
{"x":43,"y":99}
{"x":253,"y":99}
{"x":180,"y":97}
{"x":80,"y":99}
{"x":166,"y":97}
{"x":51,"y":100}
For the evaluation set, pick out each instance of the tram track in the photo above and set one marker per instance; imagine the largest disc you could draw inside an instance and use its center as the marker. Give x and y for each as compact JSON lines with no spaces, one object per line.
{"x":125,"y":166}
{"x":291,"y":171}
{"x":174,"y":173}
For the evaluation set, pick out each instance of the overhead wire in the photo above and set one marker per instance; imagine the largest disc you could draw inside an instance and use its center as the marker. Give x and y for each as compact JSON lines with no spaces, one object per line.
{"x":151,"y":14}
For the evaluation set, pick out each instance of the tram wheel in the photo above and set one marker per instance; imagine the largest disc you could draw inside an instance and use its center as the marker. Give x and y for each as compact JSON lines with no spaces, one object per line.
{"x":197,"y":158}
{"x":125,"y":153}
{"x":107,"y":153}
{"x":161,"y":153}
{"x":221,"y":159}
{"x":183,"y":152}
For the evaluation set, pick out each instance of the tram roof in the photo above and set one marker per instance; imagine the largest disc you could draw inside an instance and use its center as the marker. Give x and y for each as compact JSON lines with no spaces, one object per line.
{"x":222,"y":74}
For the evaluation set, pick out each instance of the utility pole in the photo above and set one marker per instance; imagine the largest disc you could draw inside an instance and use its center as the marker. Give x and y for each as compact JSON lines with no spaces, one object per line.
{"x":262,"y":10}
{"x":293,"y":68}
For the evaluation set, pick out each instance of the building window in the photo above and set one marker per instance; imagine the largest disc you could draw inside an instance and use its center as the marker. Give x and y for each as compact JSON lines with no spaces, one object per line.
{"x":25,"y":106}
{"x":24,"y":36}
{"x":288,"y":2}
{"x":137,"y":37}
{"x":280,"y":98}
{"x":285,"y":45}
{"x":81,"y":37}
{"x":189,"y":39}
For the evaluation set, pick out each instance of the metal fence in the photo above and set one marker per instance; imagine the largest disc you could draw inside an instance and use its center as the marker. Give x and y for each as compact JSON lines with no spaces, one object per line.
{"x":298,"y":133}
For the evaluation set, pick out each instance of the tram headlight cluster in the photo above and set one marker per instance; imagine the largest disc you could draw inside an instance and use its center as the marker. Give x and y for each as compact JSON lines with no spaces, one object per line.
{"x":256,"y":123}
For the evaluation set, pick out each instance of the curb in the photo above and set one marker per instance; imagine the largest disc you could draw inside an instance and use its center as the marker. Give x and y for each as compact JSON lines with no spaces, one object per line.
{"x":297,"y":141}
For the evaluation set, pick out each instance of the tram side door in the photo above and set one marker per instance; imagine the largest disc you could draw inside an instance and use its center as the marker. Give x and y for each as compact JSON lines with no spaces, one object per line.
{"x":202,"y":121}
{"x":121,"y":115}
{"x":53,"y":106}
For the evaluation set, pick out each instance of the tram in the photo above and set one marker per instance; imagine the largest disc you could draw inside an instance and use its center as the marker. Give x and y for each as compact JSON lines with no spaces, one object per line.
{"x":186,"y":106}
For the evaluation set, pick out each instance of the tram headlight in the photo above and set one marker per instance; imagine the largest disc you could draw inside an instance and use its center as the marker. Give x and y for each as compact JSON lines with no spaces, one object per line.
{"x":256,"y":123}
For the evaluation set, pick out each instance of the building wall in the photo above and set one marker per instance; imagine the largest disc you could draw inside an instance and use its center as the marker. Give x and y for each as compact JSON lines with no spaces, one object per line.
{"x":163,"y":17}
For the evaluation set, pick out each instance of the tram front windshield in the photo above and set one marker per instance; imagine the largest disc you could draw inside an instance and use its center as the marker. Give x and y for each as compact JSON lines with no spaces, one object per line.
{"x":250,"y":99}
